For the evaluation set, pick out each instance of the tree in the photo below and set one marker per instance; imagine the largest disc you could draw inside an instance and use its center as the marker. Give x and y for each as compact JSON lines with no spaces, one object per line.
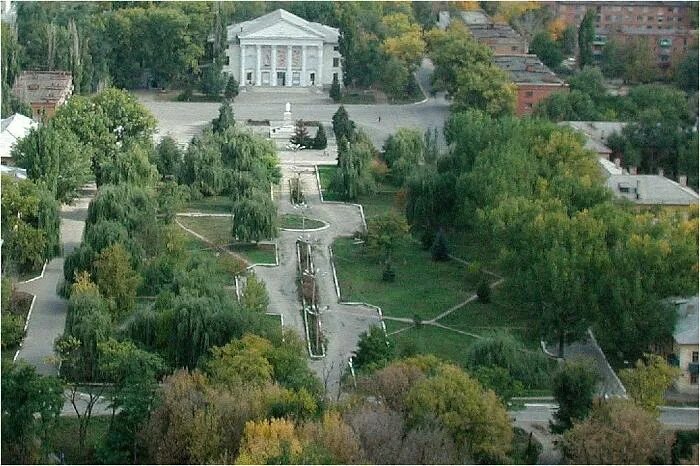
{"x":486,"y":87}
{"x":241,"y":361}
{"x":483,"y":291}
{"x":686,"y":71}
{"x":320,"y":142}
{"x":567,"y":40}
{"x":639,"y":62}
{"x":202,"y":167}
{"x":573,"y":387}
{"x":586,"y":34}
{"x":301,"y":135}
{"x":254,"y":218}
{"x":117,"y":281}
{"x":255,"y":296}
{"x":439,"y":250}
{"x":647,"y":382}
{"x":353,"y":175}
{"x":270,"y":441}
{"x":225,"y":119}
{"x":403,"y":151}
{"x":334,"y":93}
{"x":213,"y":80}
{"x":231,"y":90}
{"x":473,"y":416}
{"x":55,"y":159}
{"x":612,"y":62}
{"x":546,"y":49}
{"x":168,"y":158}
{"x":373,"y":350}
{"x":31,"y":404}
{"x":617,"y":432}
{"x":342,"y":125}
{"x":384,"y":234}
{"x":130,"y":165}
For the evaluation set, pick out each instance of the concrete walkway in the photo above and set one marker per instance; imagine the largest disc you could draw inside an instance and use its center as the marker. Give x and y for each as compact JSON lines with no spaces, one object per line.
{"x":48,"y":317}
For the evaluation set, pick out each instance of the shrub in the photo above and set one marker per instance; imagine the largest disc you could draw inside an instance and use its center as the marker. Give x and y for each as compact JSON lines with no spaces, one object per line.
{"x":320,"y":141}
{"x":231,"y":89}
{"x":483,"y":291}
{"x":185,"y":96}
{"x":335,"y":89}
{"x":12,"y":330}
{"x":439,"y":249}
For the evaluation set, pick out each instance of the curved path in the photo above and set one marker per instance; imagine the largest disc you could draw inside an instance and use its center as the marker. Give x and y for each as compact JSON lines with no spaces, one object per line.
{"x":48,"y":318}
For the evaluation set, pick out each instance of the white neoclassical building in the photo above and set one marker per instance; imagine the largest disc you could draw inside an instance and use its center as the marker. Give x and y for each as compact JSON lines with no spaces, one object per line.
{"x":280,"y":49}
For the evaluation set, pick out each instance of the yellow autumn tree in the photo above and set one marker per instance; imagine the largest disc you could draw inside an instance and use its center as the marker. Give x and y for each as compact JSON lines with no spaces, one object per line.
{"x":269,"y":440}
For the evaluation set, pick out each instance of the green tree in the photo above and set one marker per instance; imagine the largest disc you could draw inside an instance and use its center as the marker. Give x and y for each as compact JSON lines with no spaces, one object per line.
{"x":117,"y":281}
{"x":301,"y":135}
{"x":320,"y":142}
{"x":353,"y":176}
{"x":168,"y":158}
{"x":130,"y":165}
{"x":546,"y":49}
{"x":647,"y":382}
{"x":403,"y":151}
{"x":612,"y":61}
{"x":568,"y":40}
{"x":202,"y":167}
{"x":573,"y":386}
{"x":213,"y":81}
{"x":241,"y":361}
{"x":384,"y":234}
{"x":374,"y":350}
{"x":617,"y":432}
{"x":486,"y":87}
{"x":474,"y":417}
{"x":55,"y":159}
{"x":335,"y":89}
{"x":255,"y":296}
{"x":439,"y":250}
{"x":639,"y":62}
{"x":343,"y":127}
{"x":586,"y":34}
{"x":254,"y":218}
{"x":225,"y":119}
{"x":231,"y":89}
{"x":685,"y":72}
{"x":31,"y":405}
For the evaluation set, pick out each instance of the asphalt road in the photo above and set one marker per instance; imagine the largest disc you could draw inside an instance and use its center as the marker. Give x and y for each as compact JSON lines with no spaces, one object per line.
{"x":682,"y":418}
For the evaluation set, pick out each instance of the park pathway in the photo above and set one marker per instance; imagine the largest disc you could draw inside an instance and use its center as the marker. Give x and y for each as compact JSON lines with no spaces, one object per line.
{"x":48,"y":316}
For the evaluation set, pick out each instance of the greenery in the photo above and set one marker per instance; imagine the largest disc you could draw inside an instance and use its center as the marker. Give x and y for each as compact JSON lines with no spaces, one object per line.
{"x":296,"y":222}
{"x":573,"y":385}
{"x":373,"y":350}
{"x":586,"y":34}
{"x":231,"y":90}
{"x":335,"y":89}
{"x":647,"y":382}
{"x":546,"y":49}
{"x":62,"y":439}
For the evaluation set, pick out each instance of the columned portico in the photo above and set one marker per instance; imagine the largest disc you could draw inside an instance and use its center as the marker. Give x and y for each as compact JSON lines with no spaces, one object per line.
{"x":281,"y":49}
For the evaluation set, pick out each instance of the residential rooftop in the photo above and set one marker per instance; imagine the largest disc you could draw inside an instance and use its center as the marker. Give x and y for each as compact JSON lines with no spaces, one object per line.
{"x":475,"y":17}
{"x":43,"y":86}
{"x":527,"y":69}
{"x":599,"y":131}
{"x":651,"y":190}
{"x":12,"y":129}
{"x":686,"y":331}
{"x":491,"y":30}
{"x":273,"y":27}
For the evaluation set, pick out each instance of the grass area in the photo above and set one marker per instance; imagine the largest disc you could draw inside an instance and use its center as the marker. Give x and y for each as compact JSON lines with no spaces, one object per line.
{"x":254,"y":254}
{"x":216,"y":229}
{"x":422,"y":287}
{"x":215,"y":204}
{"x":297,"y":222}
{"x":64,"y":439}
{"x":427,"y":339}
{"x":469,"y":248}
{"x":357,"y":98}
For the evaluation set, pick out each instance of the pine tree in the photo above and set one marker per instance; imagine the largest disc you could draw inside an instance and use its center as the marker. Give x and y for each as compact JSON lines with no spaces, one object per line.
{"x":335,"y":89}
{"x":439,"y":249}
{"x":320,"y":141}
{"x":301,"y":135}
{"x":224,"y":120}
{"x":231,"y":90}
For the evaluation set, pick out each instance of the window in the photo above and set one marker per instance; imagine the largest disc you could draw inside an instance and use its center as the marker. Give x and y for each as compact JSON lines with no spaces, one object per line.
{"x":336,"y":62}
{"x":335,"y":76}
{"x":528,"y":104}
{"x":693,"y":379}
{"x":249,"y":77}
{"x":335,"y":48}
{"x":528,"y":93}
{"x":513,"y":48}
{"x":226,"y":61}
{"x":650,"y":18}
{"x":695,"y":356}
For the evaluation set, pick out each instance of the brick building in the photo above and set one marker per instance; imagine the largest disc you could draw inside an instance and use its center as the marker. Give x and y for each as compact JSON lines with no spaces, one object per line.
{"x":44,"y":91}
{"x":500,"y":38}
{"x":534,"y":81}
{"x":665,"y":26}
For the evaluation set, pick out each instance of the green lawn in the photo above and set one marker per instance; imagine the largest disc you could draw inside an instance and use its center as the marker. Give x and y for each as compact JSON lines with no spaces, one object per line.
{"x":214,"y":204}
{"x":216,"y":229}
{"x":254,"y":254}
{"x":374,"y":204}
{"x":422,"y":287}
{"x":64,"y":438}
{"x":297,"y":222}
{"x":427,"y":339}
{"x":465,"y":246}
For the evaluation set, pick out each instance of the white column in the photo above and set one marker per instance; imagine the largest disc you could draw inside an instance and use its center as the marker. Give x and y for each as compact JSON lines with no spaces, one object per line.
{"x":241,"y":81}
{"x":319,"y":71}
{"x":258,"y":74}
{"x":289,"y":66}
{"x":302,"y":79}
{"x":273,"y":64}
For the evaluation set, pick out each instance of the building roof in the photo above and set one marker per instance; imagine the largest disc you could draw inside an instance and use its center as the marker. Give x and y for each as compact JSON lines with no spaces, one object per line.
{"x":272,"y":25}
{"x":475,"y":17}
{"x":527,"y":69}
{"x":651,"y":190}
{"x":599,"y":131}
{"x":19,"y":173}
{"x":12,"y":129}
{"x":610,"y":168}
{"x":491,"y":30}
{"x":686,"y":331}
{"x":43,"y":86}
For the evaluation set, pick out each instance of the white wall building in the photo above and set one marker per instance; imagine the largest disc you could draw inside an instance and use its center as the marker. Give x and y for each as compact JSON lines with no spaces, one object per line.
{"x":280,"y":49}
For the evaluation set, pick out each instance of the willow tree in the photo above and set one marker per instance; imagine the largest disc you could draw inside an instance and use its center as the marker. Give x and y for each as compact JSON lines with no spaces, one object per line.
{"x":254,"y":218}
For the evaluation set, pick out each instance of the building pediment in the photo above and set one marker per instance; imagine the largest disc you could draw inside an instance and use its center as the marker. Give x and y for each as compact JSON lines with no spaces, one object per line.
{"x":283,"y":30}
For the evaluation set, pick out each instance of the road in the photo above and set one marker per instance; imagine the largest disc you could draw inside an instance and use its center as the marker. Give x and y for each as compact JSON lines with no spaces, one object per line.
{"x":682,"y":418}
